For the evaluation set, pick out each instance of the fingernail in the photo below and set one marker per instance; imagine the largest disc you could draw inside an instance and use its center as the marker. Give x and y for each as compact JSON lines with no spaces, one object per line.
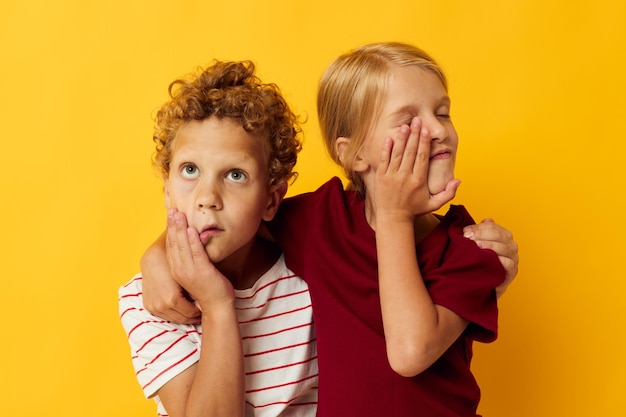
{"x":468,"y":233}
{"x":170,"y":213}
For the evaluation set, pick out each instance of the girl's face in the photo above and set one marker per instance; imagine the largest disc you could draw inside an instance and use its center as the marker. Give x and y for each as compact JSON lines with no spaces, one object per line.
{"x":411,"y":92}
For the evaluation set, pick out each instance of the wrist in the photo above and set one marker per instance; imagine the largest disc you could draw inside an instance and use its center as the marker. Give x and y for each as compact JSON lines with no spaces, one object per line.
{"x":216,"y":310}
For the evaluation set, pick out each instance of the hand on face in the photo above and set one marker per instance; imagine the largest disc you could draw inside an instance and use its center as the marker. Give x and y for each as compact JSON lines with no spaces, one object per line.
{"x":190,"y":264}
{"x":401,"y":180}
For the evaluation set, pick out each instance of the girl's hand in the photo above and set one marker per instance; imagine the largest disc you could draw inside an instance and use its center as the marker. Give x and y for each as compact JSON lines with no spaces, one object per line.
{"x":402,"y":175}
{"x":489,"y":235}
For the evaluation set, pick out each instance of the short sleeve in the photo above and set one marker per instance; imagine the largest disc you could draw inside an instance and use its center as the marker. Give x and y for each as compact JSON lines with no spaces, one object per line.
{"x":461,"y":276}
{"x":160,"y":350}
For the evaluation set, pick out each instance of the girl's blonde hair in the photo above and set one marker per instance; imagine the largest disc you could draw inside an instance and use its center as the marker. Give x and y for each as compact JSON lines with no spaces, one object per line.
{"x":350,"y":93}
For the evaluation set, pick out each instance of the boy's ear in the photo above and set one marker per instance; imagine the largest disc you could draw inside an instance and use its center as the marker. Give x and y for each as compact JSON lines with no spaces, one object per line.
{"x":277,"y":193}
{"x":341,"y":148}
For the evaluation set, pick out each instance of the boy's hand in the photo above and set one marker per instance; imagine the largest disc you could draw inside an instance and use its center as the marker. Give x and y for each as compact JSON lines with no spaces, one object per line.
{"x":489,"y":235}
{"x":162,"y":295}
{"x":402,"y":175}
{"x":191,"y":267}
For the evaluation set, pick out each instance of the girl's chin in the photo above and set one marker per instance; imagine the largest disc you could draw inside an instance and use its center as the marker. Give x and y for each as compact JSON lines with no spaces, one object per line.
{"x":436,"y":188}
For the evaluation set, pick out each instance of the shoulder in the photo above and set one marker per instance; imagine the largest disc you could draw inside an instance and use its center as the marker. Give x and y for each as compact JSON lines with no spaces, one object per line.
{"x":130,"y":294}
{"x":458,"y":216}
{"x":331,"y":188}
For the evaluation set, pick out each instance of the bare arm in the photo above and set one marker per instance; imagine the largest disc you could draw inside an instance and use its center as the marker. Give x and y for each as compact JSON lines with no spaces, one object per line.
{"x":417,"y":332}
{"x":214,"y":386}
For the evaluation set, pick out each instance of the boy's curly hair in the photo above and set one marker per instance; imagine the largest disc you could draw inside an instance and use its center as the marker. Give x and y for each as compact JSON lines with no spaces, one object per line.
{"x":231,"y":89}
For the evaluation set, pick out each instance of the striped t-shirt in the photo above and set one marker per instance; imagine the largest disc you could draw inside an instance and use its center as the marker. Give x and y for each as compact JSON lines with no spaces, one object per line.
{"x":276,"y":325}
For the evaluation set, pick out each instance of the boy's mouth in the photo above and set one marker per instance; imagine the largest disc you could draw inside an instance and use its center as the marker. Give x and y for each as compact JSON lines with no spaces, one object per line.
{"x":208,"y":232}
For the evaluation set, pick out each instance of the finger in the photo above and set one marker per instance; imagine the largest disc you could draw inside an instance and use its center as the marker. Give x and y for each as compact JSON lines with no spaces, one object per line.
{"x":503,"y":250}
{"x":198,"y":252}
{"x":412,"y":145}
{"x":171,"y":246}
{"x":170,"y":237}
{"x":182,"y":262}
{"x":385,"y":155}
{"x":175,"y":307}
{"x":397,"y":150}
{"x":184,"y":312}
{"x":437,"y":201}
{"x":422,"y":160}
{"x":488,"y":230}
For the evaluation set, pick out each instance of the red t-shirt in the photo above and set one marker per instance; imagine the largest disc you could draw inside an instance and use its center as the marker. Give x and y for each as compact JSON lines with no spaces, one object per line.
{"x":327,"y":241}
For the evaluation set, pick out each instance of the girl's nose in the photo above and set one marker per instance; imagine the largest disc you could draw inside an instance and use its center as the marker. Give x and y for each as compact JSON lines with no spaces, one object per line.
{"x":438,"y":131}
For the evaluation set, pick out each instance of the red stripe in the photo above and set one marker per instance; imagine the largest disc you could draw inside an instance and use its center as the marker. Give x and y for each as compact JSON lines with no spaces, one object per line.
{"x":280,"y":403}
{"x":161,"y":354}
{"x":279,"y":386}
{"x":154,"y":337}
{"x":282,"y":385}
{"x":146,"y":322}
{"x":278,"y":349}
{"x":132,"y":280}
{"x":130,"y":309}
{"x":276,"y":315}
{"x":277,"y":332}
{"x":281,"y":367}
{"x":137,"y":294}
{"x":267,"y":285}
{"x":273,"y":299}
{"x":168,"y":368}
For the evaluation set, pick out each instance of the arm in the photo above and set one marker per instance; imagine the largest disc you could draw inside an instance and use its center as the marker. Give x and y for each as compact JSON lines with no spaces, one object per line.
{"x":162,"y":295}
{"x":215,"y":384}
{"x":417,"y":332}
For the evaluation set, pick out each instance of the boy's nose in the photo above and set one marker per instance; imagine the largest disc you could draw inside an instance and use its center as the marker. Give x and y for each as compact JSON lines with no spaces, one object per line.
{"x":208,"y":198}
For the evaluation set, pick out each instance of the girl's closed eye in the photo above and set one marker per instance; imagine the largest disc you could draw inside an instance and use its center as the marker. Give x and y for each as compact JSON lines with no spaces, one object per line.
{"x":189,"y":171}
{"x":406,"y":121}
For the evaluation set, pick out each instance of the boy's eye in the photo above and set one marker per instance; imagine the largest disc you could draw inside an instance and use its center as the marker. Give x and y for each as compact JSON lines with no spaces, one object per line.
{"x":236,"y":175}
{"x":190,"y":171}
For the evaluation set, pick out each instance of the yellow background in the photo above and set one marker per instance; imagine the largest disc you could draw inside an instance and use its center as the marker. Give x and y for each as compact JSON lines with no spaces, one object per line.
{"x":539,"y":97}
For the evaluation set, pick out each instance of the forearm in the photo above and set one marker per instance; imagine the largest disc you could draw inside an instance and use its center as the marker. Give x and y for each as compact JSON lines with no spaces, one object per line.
{"x":213,"y":386}
{"x":417,"y":332}
{"x":219,"y":386}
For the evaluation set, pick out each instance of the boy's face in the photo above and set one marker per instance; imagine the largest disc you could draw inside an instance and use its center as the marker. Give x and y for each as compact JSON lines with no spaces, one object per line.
{"x":218,"y":178}
{"x":412,"y":91}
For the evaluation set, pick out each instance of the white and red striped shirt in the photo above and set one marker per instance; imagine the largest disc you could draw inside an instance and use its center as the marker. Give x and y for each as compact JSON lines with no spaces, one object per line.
{"x":276,"y":324}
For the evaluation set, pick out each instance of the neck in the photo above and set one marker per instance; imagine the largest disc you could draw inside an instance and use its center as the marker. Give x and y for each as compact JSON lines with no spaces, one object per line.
{"x":244,"y":267}
{"x":422,"y":225}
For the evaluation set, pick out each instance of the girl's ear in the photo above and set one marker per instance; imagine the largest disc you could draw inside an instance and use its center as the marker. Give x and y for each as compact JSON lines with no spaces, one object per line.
{"x":341,"y":148}
{"x":277,"y":193}
{"x":358,"y":164}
